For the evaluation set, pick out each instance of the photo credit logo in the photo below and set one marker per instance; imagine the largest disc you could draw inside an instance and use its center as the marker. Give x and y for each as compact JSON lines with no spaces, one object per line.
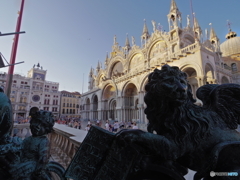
{"x":212,"y":174}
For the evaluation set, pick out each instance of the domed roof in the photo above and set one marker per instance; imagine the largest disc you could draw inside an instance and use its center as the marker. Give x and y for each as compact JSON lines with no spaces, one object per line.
{"x":231,"y":46}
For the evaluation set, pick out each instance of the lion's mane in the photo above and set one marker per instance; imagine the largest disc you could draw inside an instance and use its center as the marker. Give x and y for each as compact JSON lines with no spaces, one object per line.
{"x":185,"y":123}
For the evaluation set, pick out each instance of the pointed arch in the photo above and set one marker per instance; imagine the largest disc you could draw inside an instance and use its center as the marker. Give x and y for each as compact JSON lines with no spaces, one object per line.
{"x":116,"y":67}
{"x":135,"y":61}
{"x":209,"y":73}
{"x":224,"y":80}
{"x":193,"y":71}
{"x":95,"y":106}
{"x":108,"y":92}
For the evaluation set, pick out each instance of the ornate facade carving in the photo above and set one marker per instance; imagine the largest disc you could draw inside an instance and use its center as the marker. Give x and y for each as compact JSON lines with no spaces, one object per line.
{"x":181,"y":46}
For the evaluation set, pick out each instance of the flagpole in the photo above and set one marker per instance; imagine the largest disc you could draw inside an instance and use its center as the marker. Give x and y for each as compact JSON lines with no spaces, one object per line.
{"x":82,"y":83}
{"x":191,"y":7}
{"x":14,"y":52}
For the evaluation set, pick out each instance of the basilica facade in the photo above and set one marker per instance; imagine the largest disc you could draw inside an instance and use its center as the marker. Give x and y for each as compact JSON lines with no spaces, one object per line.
{"x":116,"y":90}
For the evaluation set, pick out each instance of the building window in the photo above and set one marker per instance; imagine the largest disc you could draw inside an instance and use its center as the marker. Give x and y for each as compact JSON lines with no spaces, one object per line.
{"x":234,"y":67}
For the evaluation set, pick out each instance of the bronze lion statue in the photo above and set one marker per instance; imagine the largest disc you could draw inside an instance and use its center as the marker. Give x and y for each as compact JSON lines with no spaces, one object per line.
{"x":182,"y":135}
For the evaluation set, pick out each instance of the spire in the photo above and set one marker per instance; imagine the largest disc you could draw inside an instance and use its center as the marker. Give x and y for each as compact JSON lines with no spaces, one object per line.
{"x":127,"y":44}
{"x":107,"y":56}
{"x":106,"y":60}
{"x":196,"y":24}
{"x":98,"y":67}
{"x":196,"y":27}
{"x":174,"y":16}
{"x":173,"y":6}
{"x":214,"y":39}
{"x":91,"y":72}
{"x":213,"y":34}
{"x":145,"y":34}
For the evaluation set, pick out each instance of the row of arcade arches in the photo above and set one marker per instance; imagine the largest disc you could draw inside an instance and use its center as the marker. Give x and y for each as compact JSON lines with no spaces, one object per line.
{"x":126,"y":103}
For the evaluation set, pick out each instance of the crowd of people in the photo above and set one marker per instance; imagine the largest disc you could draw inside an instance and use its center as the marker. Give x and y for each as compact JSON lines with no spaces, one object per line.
{"x":112,"y":126}
{"x":22,"y":120}
{"x":117,"y":126}
{"x":71,"y":122}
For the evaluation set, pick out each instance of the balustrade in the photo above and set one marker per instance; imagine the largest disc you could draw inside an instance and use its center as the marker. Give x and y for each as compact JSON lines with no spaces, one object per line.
{"x":21,"y":130}
{"x":64,"y":141}
{"x":189,"y":48}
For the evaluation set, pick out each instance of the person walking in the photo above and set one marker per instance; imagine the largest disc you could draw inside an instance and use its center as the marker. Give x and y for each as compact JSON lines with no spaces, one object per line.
{"x":134,"y":126}
{"x":107,"y":125}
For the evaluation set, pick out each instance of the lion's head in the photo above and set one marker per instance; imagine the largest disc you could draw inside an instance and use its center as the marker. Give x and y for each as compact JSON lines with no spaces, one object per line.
{"x":170,"y":106}
{"x":171,"y":84}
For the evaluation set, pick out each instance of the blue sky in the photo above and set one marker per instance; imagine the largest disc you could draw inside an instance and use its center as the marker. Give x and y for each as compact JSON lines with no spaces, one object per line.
{"x":67,"y":37}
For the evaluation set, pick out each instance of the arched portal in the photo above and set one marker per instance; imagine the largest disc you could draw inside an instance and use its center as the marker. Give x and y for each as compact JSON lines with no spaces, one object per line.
{"x":209,"y":74}
{"x":109,"y":93}
{"x":224,"y":80}
{"x":87,"y":108}
{"x":113,"y":112}
{"x":95,"y":107}
{"x":130,"y":97}
{"x":192,"y":79}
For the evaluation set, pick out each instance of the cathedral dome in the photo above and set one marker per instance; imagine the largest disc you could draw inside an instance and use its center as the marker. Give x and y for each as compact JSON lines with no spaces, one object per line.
{"x":231,"y":46}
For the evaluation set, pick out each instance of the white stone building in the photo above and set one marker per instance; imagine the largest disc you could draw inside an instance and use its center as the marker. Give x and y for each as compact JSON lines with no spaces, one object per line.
{"x":32,"y":91}
{"x":116,"y":90}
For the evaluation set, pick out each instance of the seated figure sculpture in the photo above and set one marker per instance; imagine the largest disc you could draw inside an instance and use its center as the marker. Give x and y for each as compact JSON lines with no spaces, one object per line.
{"x":183,"y":135}
{"x":27,"y":159}
{"x":35,"y":148}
